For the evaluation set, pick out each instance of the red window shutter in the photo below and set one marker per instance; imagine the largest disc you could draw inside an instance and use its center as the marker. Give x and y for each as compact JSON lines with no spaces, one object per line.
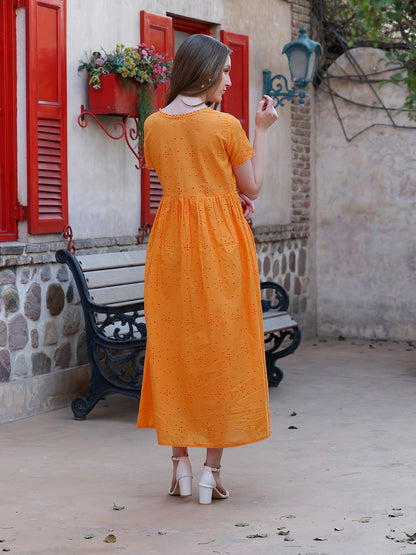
{"x":8,"y":141}
{"x":155,"y":30}
{"x":235,"y":100}
{"x":46,"y":116}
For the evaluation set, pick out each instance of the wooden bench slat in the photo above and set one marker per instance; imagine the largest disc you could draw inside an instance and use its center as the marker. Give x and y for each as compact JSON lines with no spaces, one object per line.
{"x":112,"y":260}
{"x":114,"y":276}
{"x":118,"y":294}
{"x":277,"y":321}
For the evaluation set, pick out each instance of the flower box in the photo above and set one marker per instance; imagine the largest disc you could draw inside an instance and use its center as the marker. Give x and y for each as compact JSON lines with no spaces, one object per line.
{"x":115,"y":96}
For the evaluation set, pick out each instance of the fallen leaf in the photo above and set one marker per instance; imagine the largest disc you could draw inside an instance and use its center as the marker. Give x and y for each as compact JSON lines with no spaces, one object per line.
{"x":118,"y":507}
{"x":339,"y":529}
{"x":288,"y":516}
{"x":89,"y":536}
{"x":281,"y":527}
{"x":365,"y":519}
{"x":396,"y":508}
{"x":390,"y":537}
{"x":6,"y":549}
{"x":283,"y":533}
{"x":292,"y":428}
{"x":293,"y":414}
{"x":242,"y":524}
{"x":264,"y":535}
{"x":320,"y":539}
{"x":392,"y":515}
{"x":110,"y":538}
{"x":411,"y":537}
{"x":162,"y":532}
{"x":288,"y":539}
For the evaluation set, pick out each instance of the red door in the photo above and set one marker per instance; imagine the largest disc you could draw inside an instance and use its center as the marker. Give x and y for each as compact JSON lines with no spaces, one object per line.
{"x":8,"y":144}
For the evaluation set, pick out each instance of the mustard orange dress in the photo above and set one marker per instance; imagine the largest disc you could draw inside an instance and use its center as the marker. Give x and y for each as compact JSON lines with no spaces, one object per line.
{"x":204,"y":382}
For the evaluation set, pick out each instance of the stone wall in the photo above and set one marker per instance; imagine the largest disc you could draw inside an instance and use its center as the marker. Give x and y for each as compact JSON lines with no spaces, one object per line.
{"x":285,"y":261}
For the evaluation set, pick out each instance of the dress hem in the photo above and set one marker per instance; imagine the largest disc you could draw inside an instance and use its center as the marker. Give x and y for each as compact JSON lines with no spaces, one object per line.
{"x":209,"y":446}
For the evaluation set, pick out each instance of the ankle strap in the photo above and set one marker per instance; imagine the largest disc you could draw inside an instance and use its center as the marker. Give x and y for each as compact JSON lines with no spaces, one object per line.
{"x":213,"y":469}
{"x":179,"y":458}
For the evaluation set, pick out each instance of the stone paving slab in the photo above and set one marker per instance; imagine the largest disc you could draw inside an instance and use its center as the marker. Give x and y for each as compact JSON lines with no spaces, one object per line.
{"x":345,"y":461}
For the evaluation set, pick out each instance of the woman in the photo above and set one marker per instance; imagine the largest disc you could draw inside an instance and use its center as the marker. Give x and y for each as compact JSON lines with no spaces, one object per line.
{"x":205,"y":380}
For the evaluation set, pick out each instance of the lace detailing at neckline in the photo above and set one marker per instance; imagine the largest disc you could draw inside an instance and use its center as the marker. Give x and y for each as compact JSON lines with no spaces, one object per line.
{"x":184,"y":114}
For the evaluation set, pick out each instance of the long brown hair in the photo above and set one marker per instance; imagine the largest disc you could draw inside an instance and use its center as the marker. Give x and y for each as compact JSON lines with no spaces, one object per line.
{"x":197,"y":66}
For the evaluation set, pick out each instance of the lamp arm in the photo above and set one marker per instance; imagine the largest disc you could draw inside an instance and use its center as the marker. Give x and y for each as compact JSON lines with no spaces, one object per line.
{"x":278,"y":89}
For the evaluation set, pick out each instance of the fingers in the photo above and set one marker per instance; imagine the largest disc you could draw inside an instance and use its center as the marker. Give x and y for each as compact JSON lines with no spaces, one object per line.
{"x":266,"y":114}
{"x":247,"y":205}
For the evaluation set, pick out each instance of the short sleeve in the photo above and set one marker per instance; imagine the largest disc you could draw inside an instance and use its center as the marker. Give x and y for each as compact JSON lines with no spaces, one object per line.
{"x":147,"y":155}
{"x":239,"y":149}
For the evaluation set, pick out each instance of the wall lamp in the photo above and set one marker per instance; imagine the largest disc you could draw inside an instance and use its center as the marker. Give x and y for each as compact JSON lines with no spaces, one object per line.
{"x":302,"y":54}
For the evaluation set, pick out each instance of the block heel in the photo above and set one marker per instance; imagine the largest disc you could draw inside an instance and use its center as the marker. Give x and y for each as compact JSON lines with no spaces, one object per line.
{"x":183,"y":485}
{"x":205,"y":495}
{"x":208,"y":487}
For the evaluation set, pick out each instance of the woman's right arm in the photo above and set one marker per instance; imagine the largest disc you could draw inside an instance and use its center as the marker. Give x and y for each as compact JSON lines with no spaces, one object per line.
{"x":250,"y":175}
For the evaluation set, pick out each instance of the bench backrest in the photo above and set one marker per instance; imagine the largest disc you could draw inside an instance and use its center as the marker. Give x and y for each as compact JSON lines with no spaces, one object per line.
{"x":114,"y":278}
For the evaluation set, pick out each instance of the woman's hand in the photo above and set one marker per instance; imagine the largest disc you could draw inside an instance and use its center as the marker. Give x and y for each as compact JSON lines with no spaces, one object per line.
{"x":247,"y":205}
{"x":266,"y":115}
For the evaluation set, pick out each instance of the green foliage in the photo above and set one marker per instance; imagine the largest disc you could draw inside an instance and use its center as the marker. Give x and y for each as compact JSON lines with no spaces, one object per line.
{"x":390,"y":24}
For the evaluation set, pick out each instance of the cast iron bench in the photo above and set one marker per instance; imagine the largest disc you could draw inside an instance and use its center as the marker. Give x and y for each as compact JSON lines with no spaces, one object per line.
{"x":111,"y":287}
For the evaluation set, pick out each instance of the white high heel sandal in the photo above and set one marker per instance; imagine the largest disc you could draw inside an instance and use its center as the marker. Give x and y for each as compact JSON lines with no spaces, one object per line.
{"x":208,"y":487}
{"x":183,"y":486}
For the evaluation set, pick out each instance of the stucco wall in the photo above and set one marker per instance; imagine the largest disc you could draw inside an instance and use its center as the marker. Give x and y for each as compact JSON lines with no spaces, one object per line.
{"x":103,"y":182}
{"x":366,"y":217}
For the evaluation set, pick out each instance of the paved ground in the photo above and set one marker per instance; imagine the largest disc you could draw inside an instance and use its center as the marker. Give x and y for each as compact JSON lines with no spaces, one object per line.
{"x":348,"y":465}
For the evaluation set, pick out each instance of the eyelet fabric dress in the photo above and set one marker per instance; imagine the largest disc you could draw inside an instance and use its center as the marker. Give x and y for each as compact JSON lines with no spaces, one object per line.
{"x":204,"y":382}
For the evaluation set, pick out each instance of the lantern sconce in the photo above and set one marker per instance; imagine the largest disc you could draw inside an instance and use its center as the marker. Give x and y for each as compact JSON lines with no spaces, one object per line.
{"x":302,"y":54}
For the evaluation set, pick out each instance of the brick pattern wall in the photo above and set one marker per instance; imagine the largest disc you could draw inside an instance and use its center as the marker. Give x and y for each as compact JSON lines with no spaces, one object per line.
{"x":301,"y":137}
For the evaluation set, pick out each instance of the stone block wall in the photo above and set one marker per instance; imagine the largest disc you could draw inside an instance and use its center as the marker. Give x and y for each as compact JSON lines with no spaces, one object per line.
{"x":284,"y":259}
{"x":41,"y":321}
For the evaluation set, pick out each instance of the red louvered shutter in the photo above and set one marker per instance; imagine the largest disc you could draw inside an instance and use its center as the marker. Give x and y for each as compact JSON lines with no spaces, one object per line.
{"x":236,"y":99}
{"x":155,"y":30}
{"x":8,"y":141}
{"x":46,"y":121}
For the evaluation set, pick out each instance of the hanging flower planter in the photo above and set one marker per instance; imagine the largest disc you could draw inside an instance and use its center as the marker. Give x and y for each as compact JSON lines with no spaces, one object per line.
{"x":123,"y":83}
{"x":115,"y":95}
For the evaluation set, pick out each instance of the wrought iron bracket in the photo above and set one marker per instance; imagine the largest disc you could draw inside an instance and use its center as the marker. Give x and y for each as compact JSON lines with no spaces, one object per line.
{"x":278,"y":89}
{"x":143,"y":232}
{"x":68,"y":234}
{"x":122,"y":130}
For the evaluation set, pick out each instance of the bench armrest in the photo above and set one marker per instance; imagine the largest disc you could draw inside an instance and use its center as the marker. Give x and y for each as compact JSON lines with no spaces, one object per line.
{"x":273,"y":297}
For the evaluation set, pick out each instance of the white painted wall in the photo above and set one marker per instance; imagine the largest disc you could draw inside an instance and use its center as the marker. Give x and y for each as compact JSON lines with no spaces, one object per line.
{"x":365,"y":211}
{"x":104,"y":186}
